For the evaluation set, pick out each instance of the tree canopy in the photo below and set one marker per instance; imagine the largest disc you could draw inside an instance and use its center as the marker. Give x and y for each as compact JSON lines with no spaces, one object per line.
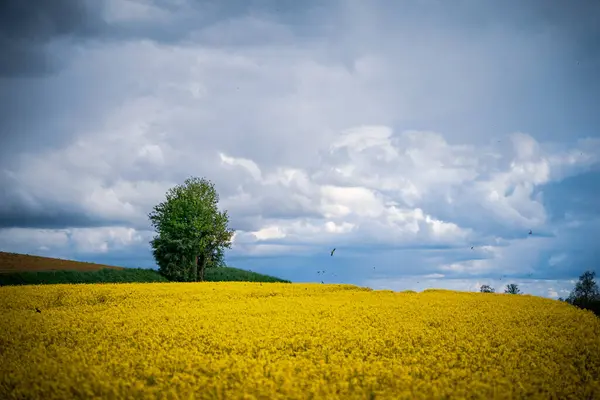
{"x":512,"y":288}
{"x":191,"y":231}
{"x":586,"y":289}
{"x":486,"y":289}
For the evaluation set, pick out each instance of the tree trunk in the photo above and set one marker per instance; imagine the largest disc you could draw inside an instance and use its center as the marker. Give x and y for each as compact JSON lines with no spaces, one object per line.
{"x":201,"y":261}
{"x":203,"y":267}
{"x":196,"y":267}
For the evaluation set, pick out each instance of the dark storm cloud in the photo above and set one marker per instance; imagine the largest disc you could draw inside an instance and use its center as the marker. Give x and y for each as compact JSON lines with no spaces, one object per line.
{"x":17,"y":213}
{"x":22,"y":208}
{"x":575,"y":18}
{"x":51,"y":218}
{"x":580,"y":18}
{"x":27,"y":29}
{"x":574,"y":197}
{"x":28,"y":26}
{"x":37,"y":41}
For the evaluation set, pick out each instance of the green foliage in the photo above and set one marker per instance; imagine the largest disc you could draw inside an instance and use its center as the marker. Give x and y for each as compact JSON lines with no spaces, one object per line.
{"x":191,"y":232}
{"x":486,"y":289}
{"x":586,"y":289}
{"x":512,"y":288}
{"x":106,"y":275}
{"x":586,"y":294}
{"x":128,"y":275}
{"x":170,"y":256}
{"x":229,"y":274}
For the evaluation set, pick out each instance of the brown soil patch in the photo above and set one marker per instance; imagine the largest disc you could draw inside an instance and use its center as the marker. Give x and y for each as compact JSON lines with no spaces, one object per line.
{"x":14,"y":262}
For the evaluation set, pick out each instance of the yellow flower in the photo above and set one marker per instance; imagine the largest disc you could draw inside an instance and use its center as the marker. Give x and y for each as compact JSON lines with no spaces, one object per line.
{"x":282,"y":341}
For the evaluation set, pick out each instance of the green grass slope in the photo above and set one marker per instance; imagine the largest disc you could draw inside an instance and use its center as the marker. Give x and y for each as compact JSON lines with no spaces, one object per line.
{"x":230,"y":274}
{"x":129,"y":275}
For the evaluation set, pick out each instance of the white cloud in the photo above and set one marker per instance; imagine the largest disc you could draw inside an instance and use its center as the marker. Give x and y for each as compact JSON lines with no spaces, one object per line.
{"x":152,"y":154}
{"x":470,"y":267}
{"x":249,"y":165}
{"x":343,"y":227}
{"x":365,"y":198}
{"x":343,"y":201}
{"x":360,"y":139}
{"x":434,"y":276}
{"x":18,"y":239}
{"x":272,"y":232}
{"x":395,"y":178}
{"x":102,"y":240}
{"x":78,"y":240}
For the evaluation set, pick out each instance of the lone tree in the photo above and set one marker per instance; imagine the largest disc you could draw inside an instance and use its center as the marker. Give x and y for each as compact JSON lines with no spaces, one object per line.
{"x":486,"y":289}
{"x":191,"y":232}
{"x":512,"y":288}
{"x":586,"y":290}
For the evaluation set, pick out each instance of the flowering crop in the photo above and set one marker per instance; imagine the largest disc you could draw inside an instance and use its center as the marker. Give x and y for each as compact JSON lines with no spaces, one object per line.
{"x":291,"y":341}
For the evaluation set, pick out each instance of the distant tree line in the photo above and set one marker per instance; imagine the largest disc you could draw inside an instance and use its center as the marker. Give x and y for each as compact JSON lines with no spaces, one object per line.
{"x":585,"y":295}
{"x":511,"y":288}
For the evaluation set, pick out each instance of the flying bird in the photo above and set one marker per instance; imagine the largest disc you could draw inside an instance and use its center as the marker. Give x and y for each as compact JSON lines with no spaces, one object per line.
{"x":333,"y":251}
{"x":471,"y":247}
{"x":530,"y":231}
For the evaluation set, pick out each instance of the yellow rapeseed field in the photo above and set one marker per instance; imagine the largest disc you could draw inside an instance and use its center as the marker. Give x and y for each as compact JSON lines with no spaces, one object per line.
{"x":291,"y":341}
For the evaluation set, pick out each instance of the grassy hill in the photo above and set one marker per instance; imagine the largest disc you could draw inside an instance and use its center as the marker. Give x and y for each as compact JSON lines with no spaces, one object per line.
{"x":229,"y":274}
{"x":24,"y":269}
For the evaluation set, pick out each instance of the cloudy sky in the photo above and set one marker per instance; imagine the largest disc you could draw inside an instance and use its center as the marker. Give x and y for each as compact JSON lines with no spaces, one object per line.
{"x":423,"y":139}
